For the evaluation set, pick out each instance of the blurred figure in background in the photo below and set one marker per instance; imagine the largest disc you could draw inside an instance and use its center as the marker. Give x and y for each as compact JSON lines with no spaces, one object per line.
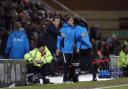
{"x":123,"y":60}
{"x":17,"y":43}
{"x":3,"y":41}
{"x":114,"y":44}
{"x":126,"y":42}
{"x":93,"y":36}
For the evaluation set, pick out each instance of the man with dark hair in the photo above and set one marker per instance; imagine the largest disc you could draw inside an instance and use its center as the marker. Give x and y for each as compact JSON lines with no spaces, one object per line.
{"x":51,"y":38}
{"x":65,"y":43}
{"x":84,"y":49}
{"x":52,"y":33}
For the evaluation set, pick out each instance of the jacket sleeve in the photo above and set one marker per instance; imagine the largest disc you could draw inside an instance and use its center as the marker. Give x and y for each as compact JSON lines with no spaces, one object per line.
{"x":78,"y":45}
{"x":48,"y":57}
{"x":29,"y":56}
{"x":122,"y":59}
{"x":80,"y":42}
{"x":84,"y":40}
{"x":59,"y":39}
{"x":9,"y":44}
{"x":26,"y":44}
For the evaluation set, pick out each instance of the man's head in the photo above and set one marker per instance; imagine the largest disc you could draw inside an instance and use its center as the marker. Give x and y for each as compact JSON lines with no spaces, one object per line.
{"x":69,"y":20}
{"x":41,"y":49}
{"x":17,"y":25}
{"x":126,"y":49}
{"x":56,"y":21}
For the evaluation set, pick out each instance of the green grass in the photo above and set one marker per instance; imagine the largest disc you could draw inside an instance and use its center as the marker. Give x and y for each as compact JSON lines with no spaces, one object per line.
{"x":80,"y":85}
{"x":122,"y":87}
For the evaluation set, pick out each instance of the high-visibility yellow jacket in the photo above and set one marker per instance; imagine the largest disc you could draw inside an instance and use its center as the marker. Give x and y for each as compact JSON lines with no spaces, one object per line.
{"x":36,"y":55}
{"x":126,"y":42}
{"x":123,"y":59}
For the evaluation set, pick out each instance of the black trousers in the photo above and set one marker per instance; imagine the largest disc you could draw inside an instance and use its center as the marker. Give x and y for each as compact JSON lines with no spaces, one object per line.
{"x":67,"y":59}
{"x":85,"y":58}
{"x":43,"y":70}
{"x":125,"y":71}
{"x":94,"y":70}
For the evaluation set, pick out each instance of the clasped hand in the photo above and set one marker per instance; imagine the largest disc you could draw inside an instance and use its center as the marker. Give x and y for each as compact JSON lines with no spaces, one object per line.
{"x":37,"y":61}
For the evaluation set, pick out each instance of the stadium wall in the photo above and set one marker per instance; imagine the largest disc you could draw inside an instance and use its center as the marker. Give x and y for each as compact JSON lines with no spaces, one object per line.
{"x":105,"y":13}
{"x":108,"y":21}
{"x":12,"y":72}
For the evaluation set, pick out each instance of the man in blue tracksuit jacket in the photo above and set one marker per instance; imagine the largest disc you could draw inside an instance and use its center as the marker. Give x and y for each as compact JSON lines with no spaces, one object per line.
{"x":17,"y":43}
{"x":82,"y":37}
{"x":65,"y":44}
{"x":84,"y":46}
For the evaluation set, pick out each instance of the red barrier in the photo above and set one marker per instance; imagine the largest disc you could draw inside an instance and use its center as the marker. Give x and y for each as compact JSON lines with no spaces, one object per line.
{"x":100,"y":61}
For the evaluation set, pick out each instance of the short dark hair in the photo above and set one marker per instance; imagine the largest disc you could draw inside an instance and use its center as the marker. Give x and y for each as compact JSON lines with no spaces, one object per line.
{"x":40,"y":44}
{"x":76,"y":21}
{"x":67,"y":18}
{"x":56,"y":17}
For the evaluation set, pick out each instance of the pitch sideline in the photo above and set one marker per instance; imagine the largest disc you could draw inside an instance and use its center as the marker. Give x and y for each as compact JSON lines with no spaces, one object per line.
{"x":111,"y":86}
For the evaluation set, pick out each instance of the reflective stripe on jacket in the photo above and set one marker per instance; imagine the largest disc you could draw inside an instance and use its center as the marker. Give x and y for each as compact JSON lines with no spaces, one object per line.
{"x":36,"y":55}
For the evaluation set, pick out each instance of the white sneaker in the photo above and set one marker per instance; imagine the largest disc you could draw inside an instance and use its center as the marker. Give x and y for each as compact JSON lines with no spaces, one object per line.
{"x":12,"y":85}
{"x":41,"y":81}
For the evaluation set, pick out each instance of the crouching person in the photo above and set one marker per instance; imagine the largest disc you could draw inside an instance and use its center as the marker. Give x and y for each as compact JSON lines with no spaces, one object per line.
{"x":38,"y":62}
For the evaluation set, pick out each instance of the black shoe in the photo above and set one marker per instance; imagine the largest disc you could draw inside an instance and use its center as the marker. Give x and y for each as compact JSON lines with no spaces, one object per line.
{"x":46,"y":81}
{"x":67,"y":80}
{"x":50,"y":83}
{"x":75,"y":78}
{"x":94,"y":80}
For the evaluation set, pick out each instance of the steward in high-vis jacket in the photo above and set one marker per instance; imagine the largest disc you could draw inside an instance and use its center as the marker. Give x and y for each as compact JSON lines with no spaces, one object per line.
{"x":39,"y":57}
{"x":38,"y":61}
{"x":123,"y":60}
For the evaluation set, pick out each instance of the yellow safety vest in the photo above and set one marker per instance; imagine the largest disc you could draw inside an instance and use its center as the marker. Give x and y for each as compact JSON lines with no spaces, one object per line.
{"x":123,"y":59}
{"x":36,"y":55}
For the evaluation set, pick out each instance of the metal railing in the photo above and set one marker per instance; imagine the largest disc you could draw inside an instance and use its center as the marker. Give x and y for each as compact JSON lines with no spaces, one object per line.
{"x":12,"y":71}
